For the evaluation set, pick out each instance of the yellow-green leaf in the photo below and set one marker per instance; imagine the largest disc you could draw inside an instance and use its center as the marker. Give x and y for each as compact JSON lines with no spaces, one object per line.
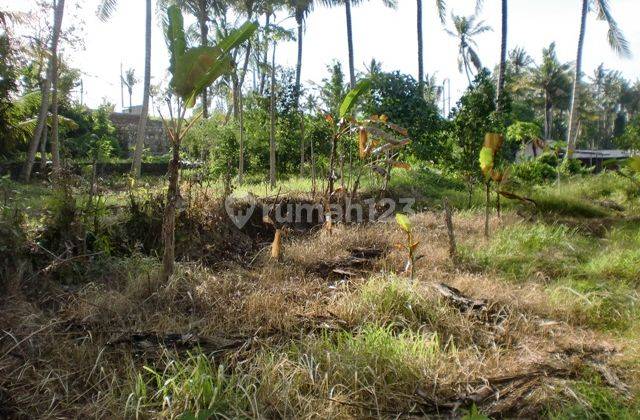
{"x":486,"y":159}
{"x":403,"y":221}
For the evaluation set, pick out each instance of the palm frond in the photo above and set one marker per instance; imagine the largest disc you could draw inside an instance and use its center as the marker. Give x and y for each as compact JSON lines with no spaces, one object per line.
{"x":106,"y":8}
{"x":441,"y":5}
{"x":616,"y":38}
{"x":480,"y":28}
{"x":474,"y":58}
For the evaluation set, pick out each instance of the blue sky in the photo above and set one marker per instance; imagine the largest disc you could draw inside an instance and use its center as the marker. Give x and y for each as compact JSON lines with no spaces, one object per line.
{"x":381,"y":33}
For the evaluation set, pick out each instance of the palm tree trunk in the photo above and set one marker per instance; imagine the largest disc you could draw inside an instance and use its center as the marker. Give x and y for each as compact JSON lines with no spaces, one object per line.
{"x":44,"y":105}
{"x":242,"y":136}
{"x":43,"y":152}
{"x":467,"y":67}
{"x":265,"y":58}
{"x":55,"y":153}
{"x":238,"y":108}
{"x":503,"y":58}
{"x":272,"y":118}
{"x":204,"y":35}
{"x":297,"y":93}
{"x":420,"y":48}
{"x":352,"y":72}
{"x":313,"y":166}
{"x":299,"y":62}
{"x":547,"y":116}
{"x":573,"y":116}
{"x":136,"y":166}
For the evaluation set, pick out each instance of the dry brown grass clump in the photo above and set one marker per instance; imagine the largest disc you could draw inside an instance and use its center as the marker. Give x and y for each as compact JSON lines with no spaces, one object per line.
{"x":330,"y":331}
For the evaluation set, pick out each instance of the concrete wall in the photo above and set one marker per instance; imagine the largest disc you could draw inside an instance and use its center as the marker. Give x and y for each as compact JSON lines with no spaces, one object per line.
{"x":127,"y":126}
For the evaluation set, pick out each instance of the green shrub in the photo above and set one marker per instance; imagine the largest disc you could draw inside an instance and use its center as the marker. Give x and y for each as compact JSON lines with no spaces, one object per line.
{"x":533,"y":172}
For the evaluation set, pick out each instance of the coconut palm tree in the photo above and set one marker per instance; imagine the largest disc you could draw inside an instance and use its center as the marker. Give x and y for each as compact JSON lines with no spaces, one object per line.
{"x":347,"y":8}
{"x":617,"y":42}
{"x":300,"y":9}
{"x":129,"y":79}
{"x":441,"y":6}
{"x":52,"y":74}
{"x":105,"y":10}
{"x":465,"y":28}
{"x":519,"y":60}
{"x":553,"y":81}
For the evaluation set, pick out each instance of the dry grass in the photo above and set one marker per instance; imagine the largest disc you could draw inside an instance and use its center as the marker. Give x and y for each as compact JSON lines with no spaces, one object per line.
{"x":315,"y":343}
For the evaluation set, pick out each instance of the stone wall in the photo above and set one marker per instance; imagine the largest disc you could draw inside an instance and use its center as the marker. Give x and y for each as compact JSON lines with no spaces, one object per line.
{"x":127,"y":127}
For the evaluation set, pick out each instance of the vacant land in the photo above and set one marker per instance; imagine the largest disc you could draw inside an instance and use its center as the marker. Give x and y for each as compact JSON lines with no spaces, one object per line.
{"x":541,"y":319}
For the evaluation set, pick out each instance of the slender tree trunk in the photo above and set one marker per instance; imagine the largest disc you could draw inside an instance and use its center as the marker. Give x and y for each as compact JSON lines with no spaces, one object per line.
{"x":44,"y":105}
{"x":486,"y":210}
{"x":265,"y":58}
{"x":241,"y":129}
{"x":297,"y":93}
{"x":55,"y":152}
{"x":238,"y":109}
{"x":299,"y":62}
{"x":503,"y":58}
{"x":352,"y":71}
{"x":204,"y":35}
{"x":547,"y":116}
{"x":466,"y":67}
{"x":420,"y":48}
{"x":272,"y":118}
{"x":573,"y":116}
{"x":43,"y":152}
{"x":169,"y":221}
{"x":136,"y":166}
{"x":313,"y":166}
{"x":302,"y":143}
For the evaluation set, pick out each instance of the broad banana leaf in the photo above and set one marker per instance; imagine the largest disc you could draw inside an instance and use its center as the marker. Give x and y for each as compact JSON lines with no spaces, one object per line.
{"x":352,"y":97}
{"x":194,"y":69}
{"x":486,"y":160}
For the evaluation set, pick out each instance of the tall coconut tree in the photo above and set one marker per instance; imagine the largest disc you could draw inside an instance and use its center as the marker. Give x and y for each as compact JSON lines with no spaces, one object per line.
{"x":519,"y":60}
{"x":552,"y":80}
{"x":464,"y":29}
{"x":347,"y":8}
{"x":617,"y":42}
{"x":300,"y":9}
{"x":105,"y":10}
{"x":442,"y":7}
{"x":130,"y":81}
{"x":58,"y":15}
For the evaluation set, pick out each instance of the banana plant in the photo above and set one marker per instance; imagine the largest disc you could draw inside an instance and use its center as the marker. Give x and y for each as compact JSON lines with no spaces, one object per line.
{"x":410,"y":246}
{"x":488,"y":157}
{"x":496,"y":173}
{"x":378,"y":139}
{"x":192,"y":71}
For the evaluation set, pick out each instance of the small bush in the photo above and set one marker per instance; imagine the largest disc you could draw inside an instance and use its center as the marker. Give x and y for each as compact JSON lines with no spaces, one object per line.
{"x":534,"y":172}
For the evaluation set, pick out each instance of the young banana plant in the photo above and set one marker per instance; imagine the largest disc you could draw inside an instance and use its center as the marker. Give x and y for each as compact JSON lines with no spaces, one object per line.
{"x":488,"y":156}
{"x":192,"y":71}
{"x":410,"y":246}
